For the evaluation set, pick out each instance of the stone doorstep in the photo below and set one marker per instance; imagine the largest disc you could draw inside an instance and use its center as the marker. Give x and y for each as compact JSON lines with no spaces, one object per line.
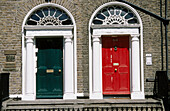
{"x":81,"y":103}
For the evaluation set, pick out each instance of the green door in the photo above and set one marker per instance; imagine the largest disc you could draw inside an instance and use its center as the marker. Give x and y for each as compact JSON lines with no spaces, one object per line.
{"x":49,"y":79}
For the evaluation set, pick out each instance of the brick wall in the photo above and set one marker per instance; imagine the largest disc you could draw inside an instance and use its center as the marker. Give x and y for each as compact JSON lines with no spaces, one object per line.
{"x":12,"y":13}
{"x":10,"y":44}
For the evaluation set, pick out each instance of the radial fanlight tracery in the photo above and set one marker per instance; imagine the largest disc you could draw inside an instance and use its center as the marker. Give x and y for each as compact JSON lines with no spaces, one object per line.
{"x":114,"y":15}
{"x":49,"y":16}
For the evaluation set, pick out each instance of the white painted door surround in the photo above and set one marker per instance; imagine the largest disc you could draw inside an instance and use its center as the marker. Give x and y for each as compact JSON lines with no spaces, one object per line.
{"x":68,"y":32}
{"x":135,"y":32}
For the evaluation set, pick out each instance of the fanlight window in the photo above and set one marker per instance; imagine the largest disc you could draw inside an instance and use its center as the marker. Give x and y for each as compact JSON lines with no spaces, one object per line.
{"x":49,"y":16}
{"x":115,"y":15}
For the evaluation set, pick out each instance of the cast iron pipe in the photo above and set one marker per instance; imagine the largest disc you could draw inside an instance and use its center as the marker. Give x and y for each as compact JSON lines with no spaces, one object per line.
{"x":162,"y":56}
{"x":166,"y":37}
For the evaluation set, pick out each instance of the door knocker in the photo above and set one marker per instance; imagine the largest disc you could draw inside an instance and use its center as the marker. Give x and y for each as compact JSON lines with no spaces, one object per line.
{"x":115,"y":48}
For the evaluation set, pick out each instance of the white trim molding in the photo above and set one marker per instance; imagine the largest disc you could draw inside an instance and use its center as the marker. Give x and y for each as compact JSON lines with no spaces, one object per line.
{"x":69,"y":92}
{"x":97,"y":74}
{"x":29,"y":34}
{"x":135,"y":32}
{"x":136,"y":92}
{"x":29,"y":76}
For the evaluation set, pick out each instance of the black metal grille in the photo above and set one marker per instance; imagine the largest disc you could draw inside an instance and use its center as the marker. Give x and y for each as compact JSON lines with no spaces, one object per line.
{"x":95,"y":109}
{"x":161,"y":85}
{"x":4,"y":87}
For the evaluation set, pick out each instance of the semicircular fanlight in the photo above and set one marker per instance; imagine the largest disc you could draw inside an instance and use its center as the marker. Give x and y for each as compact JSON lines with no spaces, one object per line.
{"x":114,"y":15}
{"x":49,"y":16}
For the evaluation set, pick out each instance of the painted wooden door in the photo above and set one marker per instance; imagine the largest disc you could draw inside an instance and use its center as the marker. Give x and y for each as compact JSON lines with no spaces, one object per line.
{"x":115,"y":65}
{"x":49,"y":77}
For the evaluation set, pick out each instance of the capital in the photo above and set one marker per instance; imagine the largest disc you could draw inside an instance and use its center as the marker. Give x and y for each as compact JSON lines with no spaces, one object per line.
{"x":96,"y":36}
{"x":29,"y":39}
{"x":135,"y":37}
{"x":68,"y":36}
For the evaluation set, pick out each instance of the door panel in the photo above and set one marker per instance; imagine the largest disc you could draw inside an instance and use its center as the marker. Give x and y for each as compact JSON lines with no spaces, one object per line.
{"x":49,"y":68}
{"x":115,"y":65}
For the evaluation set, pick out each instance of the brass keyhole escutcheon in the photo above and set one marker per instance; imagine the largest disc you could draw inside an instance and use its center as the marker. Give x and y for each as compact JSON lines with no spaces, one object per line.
{"x":59,"y":70}
{"x":115,"y":70}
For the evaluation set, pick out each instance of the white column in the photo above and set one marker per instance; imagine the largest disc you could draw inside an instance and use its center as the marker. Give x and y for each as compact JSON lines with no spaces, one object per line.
{"x":29,"y":75}
{"x":136,"y":91}
{"x":69,"y":92}
{"x":96,"y":70}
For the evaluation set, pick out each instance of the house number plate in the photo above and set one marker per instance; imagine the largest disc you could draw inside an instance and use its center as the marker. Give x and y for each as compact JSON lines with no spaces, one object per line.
{"x":49,"y":70}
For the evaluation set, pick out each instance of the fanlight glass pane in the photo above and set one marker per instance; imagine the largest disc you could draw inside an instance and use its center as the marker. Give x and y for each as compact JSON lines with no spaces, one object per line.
{"x":31,"y":22}
{"x":58,"y":13}
{"x":97,"y":22}
{"x":129,"y":15}
{"x":49,"y":16}
{"x":111,"y":10}
{"x":117,"y":12}
{"x":132,"y":21}
{"x":124,"y":11}
{"x":63,"y":17}
{"x":114,"y":15}
{"x":45,"y":10}
{"x":39,"y":13}
{"x":34,"y":17}
{"x":66,"y":22}
{"x":52,"y":11}
{"x":105,"y":12}
{"x":100,"y":16}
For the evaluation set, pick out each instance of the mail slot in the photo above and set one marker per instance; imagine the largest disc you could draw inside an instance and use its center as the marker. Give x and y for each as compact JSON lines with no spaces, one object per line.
{"x":115,"y":64}
{"x":49,"y":70}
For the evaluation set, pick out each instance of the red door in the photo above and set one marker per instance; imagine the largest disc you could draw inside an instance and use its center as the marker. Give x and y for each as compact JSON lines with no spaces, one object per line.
{"x":115,"y":65}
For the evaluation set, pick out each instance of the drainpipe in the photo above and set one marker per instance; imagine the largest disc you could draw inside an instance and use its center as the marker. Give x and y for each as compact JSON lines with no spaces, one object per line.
{"x":162,"y":58}
{"x":166,"y":41}
{"x":166,"y":38}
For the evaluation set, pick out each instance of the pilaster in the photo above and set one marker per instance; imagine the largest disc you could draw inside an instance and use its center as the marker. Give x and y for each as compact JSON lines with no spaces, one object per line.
{"x":69,"y":92}
{"x":29,"y":76}
{"x":96,"y":72}
{"x":136,"y":90}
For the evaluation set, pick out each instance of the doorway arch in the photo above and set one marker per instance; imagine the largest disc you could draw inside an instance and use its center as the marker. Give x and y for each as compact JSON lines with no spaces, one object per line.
{"x":48,"y":20}
{"x":115,"y":20}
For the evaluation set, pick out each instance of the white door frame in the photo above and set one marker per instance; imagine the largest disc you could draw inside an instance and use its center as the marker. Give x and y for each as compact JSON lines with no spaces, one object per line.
{"x":95,"y":54}
{"x":29,"y":33}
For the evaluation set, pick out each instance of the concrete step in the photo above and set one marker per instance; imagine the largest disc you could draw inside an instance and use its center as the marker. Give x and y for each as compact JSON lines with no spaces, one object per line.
{"x":84,"y":105}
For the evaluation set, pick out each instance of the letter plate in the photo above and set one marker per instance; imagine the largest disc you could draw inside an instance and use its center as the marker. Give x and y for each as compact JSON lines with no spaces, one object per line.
{"x":49,"y":70}
{"x":115,"y":64}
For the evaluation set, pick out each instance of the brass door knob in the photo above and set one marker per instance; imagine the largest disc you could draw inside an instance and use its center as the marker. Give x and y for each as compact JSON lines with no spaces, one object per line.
{"x":59,"y":70}
{"x":115,"y":70}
